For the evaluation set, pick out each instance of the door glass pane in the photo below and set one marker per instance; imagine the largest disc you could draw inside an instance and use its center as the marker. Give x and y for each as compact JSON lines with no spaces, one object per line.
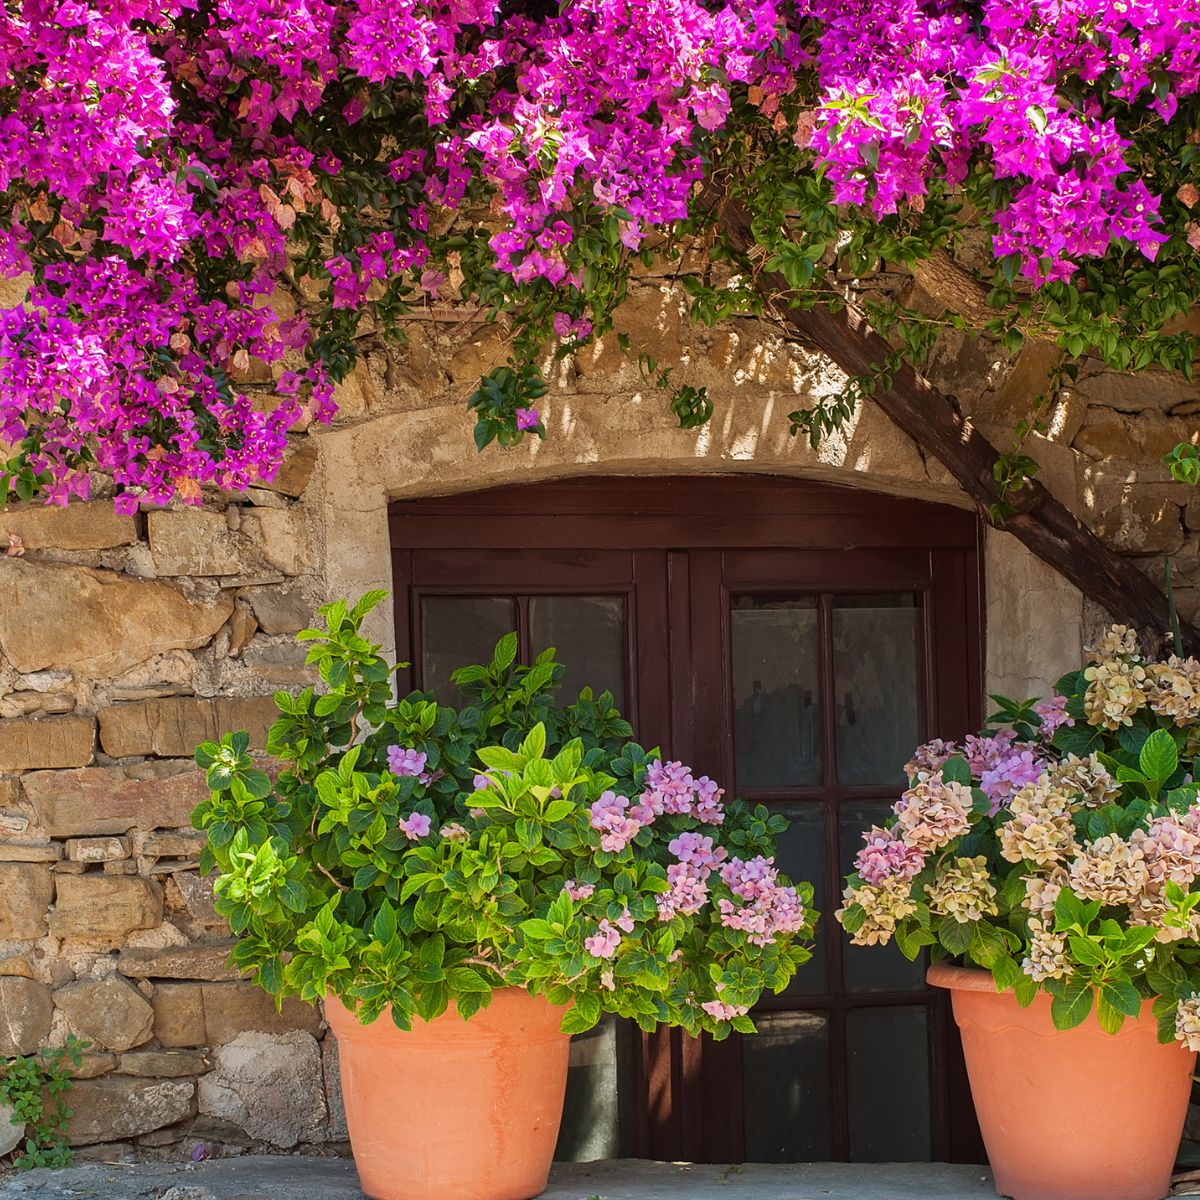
{"x":887,"y":1052}
{"x":785,"y":1072}
{"x":457,"y":631}
{"x":876,"y":654}
{"x":800,"y":854}
{"x":591,"y":1111}
{"x":776,"y":727}
{"x":588,"y":633}
{"x":872,"y":968}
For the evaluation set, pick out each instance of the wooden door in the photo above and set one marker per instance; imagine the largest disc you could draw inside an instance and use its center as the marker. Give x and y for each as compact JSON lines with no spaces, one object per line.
{"x":795,"y":642}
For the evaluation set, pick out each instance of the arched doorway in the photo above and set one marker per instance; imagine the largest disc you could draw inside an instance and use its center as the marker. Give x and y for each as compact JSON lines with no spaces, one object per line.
{"x":794,"y":641}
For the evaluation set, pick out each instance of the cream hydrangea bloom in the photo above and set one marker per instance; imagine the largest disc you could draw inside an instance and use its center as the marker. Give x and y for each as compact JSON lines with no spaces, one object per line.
{"x":1119,"y":641}
{"x":1174,"y":689}
{"x":1116,"y":690}
{"x":1110,"y":870}
{"x":885,"y":905}
{"x":1085,"y":777}
{"x":1187,"y":1022}
{"x":1040,"y":829}
{"x":1047,"y":958}
{"x":933,"y":813}
{"x":1042,"y":891}
{"x":964,"y":890}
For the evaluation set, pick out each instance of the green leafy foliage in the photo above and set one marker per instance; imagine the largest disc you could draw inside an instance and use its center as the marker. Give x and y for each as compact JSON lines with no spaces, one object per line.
{"x":410,"y":855}
{"x":35,"y":1087}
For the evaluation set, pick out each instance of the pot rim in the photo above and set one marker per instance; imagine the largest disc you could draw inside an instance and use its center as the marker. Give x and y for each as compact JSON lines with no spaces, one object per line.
{"x":961,"y":979}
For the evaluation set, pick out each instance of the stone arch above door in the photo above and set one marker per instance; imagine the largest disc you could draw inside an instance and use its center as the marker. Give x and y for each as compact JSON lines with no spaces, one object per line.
{"x":427,"y":450}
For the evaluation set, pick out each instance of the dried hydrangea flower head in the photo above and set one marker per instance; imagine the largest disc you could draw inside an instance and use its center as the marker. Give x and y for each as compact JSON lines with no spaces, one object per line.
{"x":1040,"y":829}
{"x":1173,"y":688}
{"x":963,"y":890}
{"x":1087,"y":778}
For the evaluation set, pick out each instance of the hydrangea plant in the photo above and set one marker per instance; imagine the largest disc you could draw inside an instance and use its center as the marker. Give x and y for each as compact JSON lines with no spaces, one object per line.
{"x":410,"y":854}
{"x":1059,"y":849}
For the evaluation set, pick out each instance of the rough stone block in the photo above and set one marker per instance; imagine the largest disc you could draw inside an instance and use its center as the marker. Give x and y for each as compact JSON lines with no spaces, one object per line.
{"x":80,"y":525}
{"x":213,"y":1014}
{"x":26,"y":1012}
{"x":16,"y":964}
{"x":38,"y":743}
{"x":36,"y":704}
{"x":26,"y":890}
{"x":34,"y":852}
{"x":296,"y":470}
{"x":98,"y":849}
{"x":1130,"y":516}
{"x":269,"y":1084}
{"x":196,"y":894}
{"x":116,"y":1106}
{"x":12,"y":1129}
{"x":335,"y":1129}
{"x":173,"y":727}
{"x":105,"y":908}
{"x":164,"y":1064}
{"x":280,"y":535}
{"x":206,"y":962}
{"x":94,"y":1064}
{"x":280,"y":610}
{"x":96,"y":623}
{"x":192,"y":542}
{"x":179,"y":843}
{"x":106,"y":800}
{"x":108,"y":1012}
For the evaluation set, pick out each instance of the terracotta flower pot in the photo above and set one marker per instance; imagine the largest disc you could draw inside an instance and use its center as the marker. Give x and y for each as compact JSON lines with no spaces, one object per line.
{"x":454,"y":1110}
{"x":1075,"y":1114}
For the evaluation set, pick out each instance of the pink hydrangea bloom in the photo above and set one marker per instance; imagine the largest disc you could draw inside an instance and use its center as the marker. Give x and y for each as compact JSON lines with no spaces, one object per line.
{"x":929,"y":759}
{"x":766,"y":909}
{"x":604,"y":942}
{"x":722,"y":1011}
{"x":578,"y":891}
{"x":983,"y":753}
{"x":610,"y":815}
{"x":886,"y":856}
{"x":697,"y":850}
{"x":416,"y":826}
{"x":1054,"y":715}
{"x":688,"y":894}
{"x":1009,"y":773}
{"x":404,"y":761}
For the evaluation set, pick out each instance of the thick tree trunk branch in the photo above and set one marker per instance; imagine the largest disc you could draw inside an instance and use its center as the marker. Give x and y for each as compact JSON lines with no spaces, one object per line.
{"x":934,"y":421}
{"x":959,"y":291}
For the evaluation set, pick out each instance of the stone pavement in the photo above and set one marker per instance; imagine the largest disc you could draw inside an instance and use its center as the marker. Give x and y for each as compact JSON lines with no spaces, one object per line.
{"x":297,"y":1178}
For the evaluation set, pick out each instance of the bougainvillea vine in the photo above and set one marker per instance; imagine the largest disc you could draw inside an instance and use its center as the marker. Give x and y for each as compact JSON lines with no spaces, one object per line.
{"x":200,"y":194}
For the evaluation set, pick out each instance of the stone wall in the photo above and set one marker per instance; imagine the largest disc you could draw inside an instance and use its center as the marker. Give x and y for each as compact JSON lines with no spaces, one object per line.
{"x":124,"y":641}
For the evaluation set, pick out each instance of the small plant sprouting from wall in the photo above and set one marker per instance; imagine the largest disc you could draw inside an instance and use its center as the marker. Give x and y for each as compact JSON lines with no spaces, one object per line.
{"x":35,"y":1087}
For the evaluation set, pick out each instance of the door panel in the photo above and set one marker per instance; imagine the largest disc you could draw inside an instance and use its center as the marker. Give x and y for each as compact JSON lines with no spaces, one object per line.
{"x":799,"y":666}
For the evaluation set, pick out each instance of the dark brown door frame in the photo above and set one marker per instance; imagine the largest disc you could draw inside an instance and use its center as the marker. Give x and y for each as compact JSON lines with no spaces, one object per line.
{"x":598,"y":533}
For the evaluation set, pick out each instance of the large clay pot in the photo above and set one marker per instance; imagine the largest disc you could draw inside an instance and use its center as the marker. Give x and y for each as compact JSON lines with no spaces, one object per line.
{"x":1074,"y":1114}
{"x":454,"y":1109}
